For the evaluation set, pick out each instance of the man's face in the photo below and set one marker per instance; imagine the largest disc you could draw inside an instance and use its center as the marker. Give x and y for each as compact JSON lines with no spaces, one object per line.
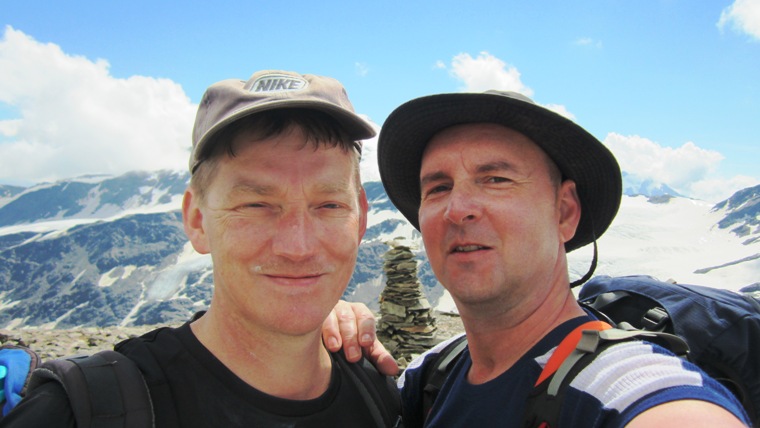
{"x":492,"y":218}
{"x":283,"y":222}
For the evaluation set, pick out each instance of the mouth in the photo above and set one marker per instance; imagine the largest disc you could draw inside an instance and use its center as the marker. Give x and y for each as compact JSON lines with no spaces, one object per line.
{"x":299,"y":281}
{"x":468,"y":248}
{"x":293,"y":276}
{"x":283,"y":271}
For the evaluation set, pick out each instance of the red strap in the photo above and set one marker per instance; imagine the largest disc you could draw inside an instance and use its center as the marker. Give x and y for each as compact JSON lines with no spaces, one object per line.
{"x":568,"y":345}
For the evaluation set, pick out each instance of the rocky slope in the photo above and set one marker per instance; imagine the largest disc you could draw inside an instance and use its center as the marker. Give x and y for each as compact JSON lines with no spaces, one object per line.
{"x":56,"y":343}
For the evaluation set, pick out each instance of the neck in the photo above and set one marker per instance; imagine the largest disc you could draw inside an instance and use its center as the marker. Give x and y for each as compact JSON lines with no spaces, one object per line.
{"x":271,"y":362}
{"x":497,"y":340}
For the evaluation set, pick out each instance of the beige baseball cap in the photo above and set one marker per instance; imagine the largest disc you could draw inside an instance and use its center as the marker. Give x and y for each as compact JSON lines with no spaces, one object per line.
{"x":230,"y":100}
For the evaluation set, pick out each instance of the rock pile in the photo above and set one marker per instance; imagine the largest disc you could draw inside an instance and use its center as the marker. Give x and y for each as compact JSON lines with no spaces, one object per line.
{"x":407,"y":326}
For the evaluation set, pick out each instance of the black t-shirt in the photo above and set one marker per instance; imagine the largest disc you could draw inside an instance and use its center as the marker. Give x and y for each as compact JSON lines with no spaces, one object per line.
{"x":204,"y":393}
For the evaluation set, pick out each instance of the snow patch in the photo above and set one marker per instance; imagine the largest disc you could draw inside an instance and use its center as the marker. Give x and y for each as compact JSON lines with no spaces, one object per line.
{"x":109,"y":278}
{"x":171,"y":280}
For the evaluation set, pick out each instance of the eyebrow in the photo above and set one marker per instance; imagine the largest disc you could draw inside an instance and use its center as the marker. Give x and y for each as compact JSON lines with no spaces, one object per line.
{"x":432,"y":177}
{"x":269,"y":190}
{"x":486,"y":167}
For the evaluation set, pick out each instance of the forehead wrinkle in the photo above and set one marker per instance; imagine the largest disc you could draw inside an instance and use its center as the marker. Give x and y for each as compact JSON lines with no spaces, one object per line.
{"x":254,"y":188}
{"x":334,"y":187}
{"x":495,"y":166}
{"x":259,"y":189}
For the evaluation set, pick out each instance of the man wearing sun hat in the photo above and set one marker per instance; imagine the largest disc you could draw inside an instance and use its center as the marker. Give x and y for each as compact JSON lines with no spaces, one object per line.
{"x":276,"y":199}
{"x":501,"y":190}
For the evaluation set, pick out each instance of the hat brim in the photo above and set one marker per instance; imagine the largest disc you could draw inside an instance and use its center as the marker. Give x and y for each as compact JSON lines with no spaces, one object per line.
{"x":578,"y":154}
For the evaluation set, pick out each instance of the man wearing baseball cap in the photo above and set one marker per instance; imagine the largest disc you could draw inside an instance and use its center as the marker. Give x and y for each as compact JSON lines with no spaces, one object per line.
{"x":276,"y":199}
{"x":501,"y":190}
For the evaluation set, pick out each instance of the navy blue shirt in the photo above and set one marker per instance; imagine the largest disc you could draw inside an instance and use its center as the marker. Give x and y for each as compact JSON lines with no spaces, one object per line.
{"x":622,"y":381}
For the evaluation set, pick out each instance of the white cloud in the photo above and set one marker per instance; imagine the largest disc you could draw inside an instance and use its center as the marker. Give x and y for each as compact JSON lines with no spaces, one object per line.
{"x":75,"y":118}
{"x":561,"y":110}
{"x":362,"y":69}
{"x":487,"y":72}
{"x":9,"y":127}
{"x":368,"y":165}
{"x":743,"y":16}
{"x":588,"y":41}
{"x":719,"y":189}
{"x":689,"y":169}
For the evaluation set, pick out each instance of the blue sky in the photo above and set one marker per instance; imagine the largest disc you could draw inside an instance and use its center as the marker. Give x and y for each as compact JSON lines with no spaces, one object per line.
{"x":671,"y":86}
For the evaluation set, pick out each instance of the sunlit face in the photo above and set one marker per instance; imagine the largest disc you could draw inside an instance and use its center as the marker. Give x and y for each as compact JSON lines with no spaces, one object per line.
{"x":283,"y":222}
{"x":492,"y":216}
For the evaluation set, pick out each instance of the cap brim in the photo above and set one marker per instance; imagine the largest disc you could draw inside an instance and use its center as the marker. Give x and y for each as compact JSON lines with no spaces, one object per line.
{"x":355,"y":127}
{"x":579,"y":155}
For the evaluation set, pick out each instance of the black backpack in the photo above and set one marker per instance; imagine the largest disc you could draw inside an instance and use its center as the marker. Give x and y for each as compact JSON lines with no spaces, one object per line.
{"x":105,"y":389}
{"x":108,"y":389}
{"x":718,"y":330}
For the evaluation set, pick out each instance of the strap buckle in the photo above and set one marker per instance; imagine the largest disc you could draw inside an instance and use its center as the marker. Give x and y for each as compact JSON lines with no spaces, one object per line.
{"x":655,"y":319}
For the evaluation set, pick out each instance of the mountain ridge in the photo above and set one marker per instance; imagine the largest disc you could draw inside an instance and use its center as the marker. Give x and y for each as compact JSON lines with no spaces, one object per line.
{"x":101,"y":251}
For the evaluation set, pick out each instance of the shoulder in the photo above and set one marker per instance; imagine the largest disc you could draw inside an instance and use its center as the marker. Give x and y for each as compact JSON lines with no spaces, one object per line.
{"x":376,"y":390}
{"x":415,"y":397}
{"x":416,"y":369}
{"x":153,"y":350}
{"x":625,"y":372}
{"x":632,"y":377}
{"x":364,"y":375}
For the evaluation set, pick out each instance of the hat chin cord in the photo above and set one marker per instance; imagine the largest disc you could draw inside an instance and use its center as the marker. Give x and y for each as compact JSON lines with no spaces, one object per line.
{"x":590,"y":272}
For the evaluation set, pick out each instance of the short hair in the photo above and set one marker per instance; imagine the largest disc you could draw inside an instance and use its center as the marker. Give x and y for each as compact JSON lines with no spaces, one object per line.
{"x":319,"y":129}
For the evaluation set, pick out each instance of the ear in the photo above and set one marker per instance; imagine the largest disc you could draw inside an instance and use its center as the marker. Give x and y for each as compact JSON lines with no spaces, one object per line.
{"x":363,"y":212}
{"x":569,"y":210}
{"x":192,"y":220}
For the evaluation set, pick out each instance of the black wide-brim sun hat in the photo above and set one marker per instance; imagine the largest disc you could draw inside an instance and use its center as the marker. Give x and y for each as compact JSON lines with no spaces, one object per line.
{"x":578,"y":154}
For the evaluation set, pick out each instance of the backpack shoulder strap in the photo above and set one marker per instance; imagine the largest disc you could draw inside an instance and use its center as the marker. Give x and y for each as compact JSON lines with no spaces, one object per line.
{"x":543,"y":408}
{"x":379,"y":392}
{"x":576,"y":351}
{"x":436,"y":372}
{"x":151,"y":355}
{"x":567,"y":348}
{"x":105,"y":389}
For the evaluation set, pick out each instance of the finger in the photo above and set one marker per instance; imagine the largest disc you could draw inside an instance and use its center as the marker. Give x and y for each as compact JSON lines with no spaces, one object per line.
{"x":383,"y":360}
{"x":331,"y":332}
{"x":348,"y":331}
{"x":365,"y":321}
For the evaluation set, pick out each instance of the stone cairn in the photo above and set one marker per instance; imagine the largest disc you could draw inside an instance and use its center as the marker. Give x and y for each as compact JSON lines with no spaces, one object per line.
{"x":407,"y":327}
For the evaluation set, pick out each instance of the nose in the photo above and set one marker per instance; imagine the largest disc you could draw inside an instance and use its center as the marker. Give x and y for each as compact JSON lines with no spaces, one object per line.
{"x":462,"y":207}
{"x":295,"y":237}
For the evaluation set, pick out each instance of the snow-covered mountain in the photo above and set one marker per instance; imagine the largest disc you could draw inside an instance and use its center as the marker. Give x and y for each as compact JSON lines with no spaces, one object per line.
{"x":99,"y":251}
{"x":7,"y":192}
{"x":634,"y":186}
